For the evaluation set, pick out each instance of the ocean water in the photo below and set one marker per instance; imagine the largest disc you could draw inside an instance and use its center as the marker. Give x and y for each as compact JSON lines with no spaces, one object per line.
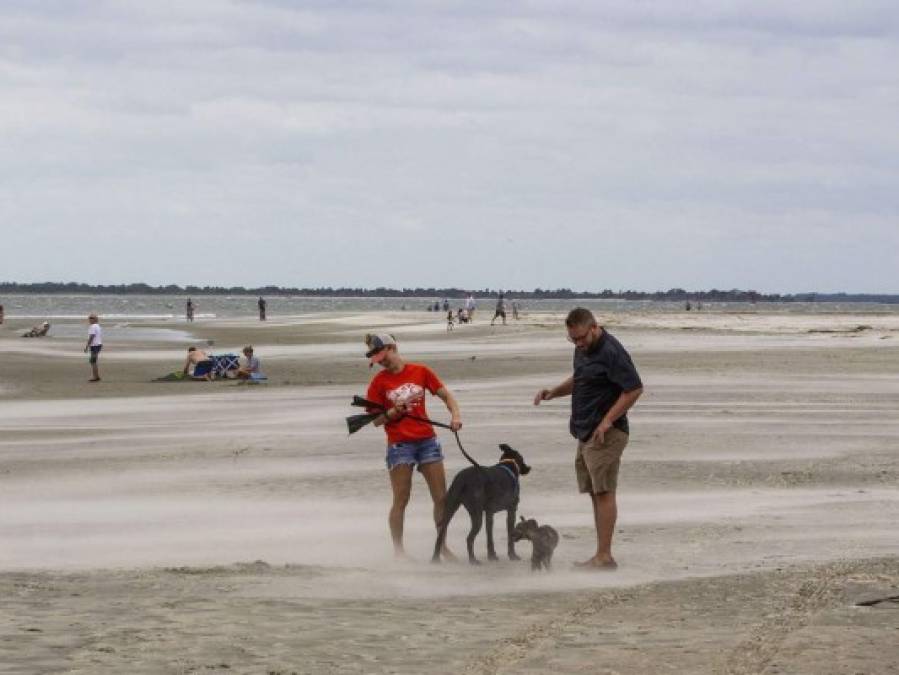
{"x":172,"y":307}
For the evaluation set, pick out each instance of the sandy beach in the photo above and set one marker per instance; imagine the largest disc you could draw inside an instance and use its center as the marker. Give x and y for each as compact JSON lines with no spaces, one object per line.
{"x":188,"y":527}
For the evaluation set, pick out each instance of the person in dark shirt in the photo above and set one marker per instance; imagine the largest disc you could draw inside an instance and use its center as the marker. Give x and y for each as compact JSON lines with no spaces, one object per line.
{"x":603,"y":387}
{"x":262,"y":305}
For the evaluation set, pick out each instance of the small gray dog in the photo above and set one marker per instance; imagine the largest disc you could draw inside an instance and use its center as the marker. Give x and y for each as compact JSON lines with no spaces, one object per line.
{"x":544,"y":539}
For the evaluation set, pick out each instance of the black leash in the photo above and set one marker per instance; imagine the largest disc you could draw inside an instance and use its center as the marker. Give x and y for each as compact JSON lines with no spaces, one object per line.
{"x":445,"y":426}
{"x":360,"y":402}
{"x":467,"y":456}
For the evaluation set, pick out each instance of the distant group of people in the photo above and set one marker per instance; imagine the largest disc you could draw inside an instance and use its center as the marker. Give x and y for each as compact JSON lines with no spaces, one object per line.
{"x":198,"y":366}
{"x":465,"y":313}
{"x":190,"y":308}
{"x":201,"y":366}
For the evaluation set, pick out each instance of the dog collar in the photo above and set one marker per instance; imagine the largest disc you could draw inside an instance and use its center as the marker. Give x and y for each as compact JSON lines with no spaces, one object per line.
{"x":512,"y":474}
{"x":505,"y":462}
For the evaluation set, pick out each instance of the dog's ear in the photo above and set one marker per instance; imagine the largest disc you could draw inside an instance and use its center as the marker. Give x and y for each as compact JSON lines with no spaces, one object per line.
{"x":505,"y":448}
{"x":522,"y":519}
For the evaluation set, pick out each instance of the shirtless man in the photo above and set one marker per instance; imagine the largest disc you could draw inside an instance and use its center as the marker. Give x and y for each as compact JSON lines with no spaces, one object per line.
{"x":201,"y":362}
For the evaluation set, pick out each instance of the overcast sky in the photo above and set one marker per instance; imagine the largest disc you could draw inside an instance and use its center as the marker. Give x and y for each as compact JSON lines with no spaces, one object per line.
{"x":589,"y":145}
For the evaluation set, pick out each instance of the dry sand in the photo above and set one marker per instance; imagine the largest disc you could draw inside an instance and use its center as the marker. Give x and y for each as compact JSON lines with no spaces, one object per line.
{"x":223,"y":528}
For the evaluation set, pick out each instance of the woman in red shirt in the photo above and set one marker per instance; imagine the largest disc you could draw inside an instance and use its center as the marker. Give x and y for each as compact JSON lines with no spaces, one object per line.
{"x":400,"y":387}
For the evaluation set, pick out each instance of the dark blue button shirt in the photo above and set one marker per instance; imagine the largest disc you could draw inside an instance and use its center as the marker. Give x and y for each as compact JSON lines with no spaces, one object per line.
{"x":600,"y":375}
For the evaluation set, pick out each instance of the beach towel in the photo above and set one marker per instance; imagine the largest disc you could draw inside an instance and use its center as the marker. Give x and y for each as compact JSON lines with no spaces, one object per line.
{"x":175,"y":376}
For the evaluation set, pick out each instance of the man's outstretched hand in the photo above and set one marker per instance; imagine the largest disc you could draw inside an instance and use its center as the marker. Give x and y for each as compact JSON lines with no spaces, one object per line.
{"x":542,"y":395}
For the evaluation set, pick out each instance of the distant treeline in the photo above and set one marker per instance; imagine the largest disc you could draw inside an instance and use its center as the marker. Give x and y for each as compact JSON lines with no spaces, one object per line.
{"x":673,"y":294}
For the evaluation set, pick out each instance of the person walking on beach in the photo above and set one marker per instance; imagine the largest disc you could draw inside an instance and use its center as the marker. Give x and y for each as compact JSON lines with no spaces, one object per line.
{"x":189,"y":309}
{"x":603,"y":387}
{"x":261,"y":303}
{"x":500,"y":310}
{"x":400,"y":387}
{"x":470,"y":306}
{"x":94,"y":344}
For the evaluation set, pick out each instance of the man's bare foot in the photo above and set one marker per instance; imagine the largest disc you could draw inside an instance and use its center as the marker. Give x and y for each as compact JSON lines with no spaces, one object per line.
{"x":94,"y":379}
{"x":597,"y":563}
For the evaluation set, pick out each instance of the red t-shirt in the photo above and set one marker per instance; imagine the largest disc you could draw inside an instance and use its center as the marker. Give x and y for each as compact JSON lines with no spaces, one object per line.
{"x":408,"y":386}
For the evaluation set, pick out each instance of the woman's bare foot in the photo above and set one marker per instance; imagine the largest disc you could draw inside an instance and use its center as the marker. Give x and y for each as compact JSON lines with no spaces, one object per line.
{"x":448,"y":555}
{"x":400,"y":554}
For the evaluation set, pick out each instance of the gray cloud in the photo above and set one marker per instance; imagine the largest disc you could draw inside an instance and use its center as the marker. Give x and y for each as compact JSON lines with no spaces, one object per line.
{"x":622,"y":145}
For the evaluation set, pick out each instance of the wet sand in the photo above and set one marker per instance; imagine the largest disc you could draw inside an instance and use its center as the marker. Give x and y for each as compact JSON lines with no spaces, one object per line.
{"x":216,"y":527}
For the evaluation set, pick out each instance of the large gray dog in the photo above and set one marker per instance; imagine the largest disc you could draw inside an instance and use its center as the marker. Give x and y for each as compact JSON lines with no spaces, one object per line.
{"x":484,"y":490}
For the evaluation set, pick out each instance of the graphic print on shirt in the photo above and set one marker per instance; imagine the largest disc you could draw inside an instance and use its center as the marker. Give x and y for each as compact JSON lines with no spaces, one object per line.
{"x":413,"y":395}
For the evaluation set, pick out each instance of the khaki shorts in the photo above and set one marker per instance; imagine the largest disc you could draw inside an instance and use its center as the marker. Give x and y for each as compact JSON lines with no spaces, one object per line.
{"x":596,"y":465}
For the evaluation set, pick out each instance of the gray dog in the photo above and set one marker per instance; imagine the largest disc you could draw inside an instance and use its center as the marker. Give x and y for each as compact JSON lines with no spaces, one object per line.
{"x":543,"y":537}
{"x":484,"y":490}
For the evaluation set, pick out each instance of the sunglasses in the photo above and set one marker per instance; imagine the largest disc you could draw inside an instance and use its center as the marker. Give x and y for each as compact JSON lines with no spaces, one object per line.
{"x":575,"y":339}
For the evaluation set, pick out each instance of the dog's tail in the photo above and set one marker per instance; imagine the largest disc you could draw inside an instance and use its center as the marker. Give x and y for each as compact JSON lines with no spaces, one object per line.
{"x":451,"y":504}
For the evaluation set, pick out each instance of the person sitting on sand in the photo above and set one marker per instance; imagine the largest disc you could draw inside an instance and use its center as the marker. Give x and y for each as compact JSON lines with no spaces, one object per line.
{"x":202,"y":365}
{"x":38,"y":331}
{"x":251,"y":369}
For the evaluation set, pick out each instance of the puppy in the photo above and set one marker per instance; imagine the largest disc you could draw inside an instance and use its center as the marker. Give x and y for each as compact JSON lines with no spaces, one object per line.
{"x":484,"y":491}
{"x":543,"y":537}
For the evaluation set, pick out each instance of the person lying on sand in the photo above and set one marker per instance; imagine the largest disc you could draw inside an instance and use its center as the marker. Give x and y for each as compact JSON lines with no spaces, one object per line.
{"x":202,"y":364}
{"x":38,"y":331}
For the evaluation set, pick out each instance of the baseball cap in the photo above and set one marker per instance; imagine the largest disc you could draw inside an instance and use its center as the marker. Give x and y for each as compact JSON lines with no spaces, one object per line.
{"x":376,"y":343}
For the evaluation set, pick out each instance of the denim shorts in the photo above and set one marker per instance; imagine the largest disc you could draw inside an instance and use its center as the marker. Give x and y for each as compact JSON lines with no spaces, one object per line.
{"x":425,"y":451}
{"x":95,"y":352}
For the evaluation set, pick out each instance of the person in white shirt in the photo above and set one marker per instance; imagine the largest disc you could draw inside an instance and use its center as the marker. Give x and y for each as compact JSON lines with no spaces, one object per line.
{"x":95,"y":344}
{"x":470,"y":306}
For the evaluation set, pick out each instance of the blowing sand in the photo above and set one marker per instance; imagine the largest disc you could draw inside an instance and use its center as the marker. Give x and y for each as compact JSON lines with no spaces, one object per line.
{"x":219,"y":528}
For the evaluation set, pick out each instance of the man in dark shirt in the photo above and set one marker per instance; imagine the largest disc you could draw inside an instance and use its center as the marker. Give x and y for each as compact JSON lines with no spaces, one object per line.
{"x":604,"y":386}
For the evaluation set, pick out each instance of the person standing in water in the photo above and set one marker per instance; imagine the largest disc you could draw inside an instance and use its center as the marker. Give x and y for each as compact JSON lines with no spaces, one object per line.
{"x":262,"y":304}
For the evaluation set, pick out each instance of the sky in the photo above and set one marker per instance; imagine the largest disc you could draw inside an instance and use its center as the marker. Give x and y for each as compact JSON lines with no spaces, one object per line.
{"x":586,"y":144}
